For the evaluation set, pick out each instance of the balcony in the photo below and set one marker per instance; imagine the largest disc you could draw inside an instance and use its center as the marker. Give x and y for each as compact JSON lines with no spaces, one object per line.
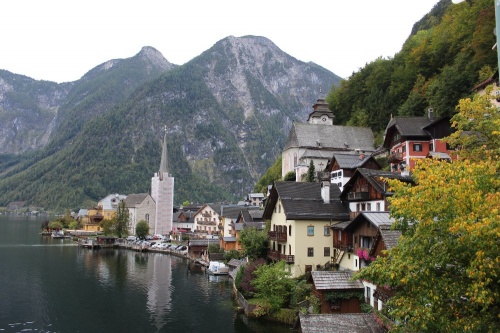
{"x":395,"y":157}
{"x":276,"y":256}
{"x":277,"y":236}
{"x":358,"y":196}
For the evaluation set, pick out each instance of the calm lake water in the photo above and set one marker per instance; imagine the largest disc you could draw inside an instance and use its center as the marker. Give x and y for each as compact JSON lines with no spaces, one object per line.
{"x":52,"y":285}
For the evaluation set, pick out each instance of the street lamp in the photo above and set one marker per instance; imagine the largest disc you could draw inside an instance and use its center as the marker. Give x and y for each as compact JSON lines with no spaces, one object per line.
{"x":497,"y":26}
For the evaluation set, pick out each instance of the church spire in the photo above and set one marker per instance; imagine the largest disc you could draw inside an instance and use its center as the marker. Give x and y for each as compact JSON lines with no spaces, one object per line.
{"x":164,"y":159}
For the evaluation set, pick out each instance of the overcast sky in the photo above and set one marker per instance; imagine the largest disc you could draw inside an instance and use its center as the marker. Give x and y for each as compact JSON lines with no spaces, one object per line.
{"x":60,"y":40}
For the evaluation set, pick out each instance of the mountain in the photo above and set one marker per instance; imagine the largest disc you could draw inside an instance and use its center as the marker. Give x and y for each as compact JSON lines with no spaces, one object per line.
{"x":226,"y":112}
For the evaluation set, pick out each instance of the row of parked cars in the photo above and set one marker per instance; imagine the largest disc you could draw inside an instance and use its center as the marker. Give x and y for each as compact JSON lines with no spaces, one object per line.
{"x":182,"y":249}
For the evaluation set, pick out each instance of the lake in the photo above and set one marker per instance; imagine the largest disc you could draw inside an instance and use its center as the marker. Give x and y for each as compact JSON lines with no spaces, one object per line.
{"x":52,"y":285}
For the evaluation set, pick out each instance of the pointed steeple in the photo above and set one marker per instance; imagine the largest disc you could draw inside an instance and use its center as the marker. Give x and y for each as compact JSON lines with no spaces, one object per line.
{"x":164,"y":159}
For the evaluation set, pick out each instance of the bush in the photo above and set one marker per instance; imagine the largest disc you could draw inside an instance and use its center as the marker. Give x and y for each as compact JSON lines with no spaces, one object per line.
{"x":245,"y":277}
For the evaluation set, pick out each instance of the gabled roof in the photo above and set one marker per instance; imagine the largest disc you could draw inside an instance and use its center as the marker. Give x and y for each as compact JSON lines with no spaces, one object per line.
{"x":412,"y":127}
{"x":303,"y":201}
{"x":339,"y":323}
{"x":380,"y":220}
{"x":215,"y":207}
{"x":330,"y":137}
{"x":376,"y":179}
{"x":134,"y":200}
{"x":351,"y":161}
{"x":334,"y":280}
{"x":232,"y":211}
{"x":390,"y":237}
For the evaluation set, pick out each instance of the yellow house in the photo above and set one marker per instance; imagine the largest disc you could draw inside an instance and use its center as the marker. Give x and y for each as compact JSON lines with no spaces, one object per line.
{"x":105,"y":210}
{"x":301,"y":215}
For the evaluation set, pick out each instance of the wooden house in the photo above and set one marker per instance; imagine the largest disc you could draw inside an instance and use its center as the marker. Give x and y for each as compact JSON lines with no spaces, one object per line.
{"x":336,"y":291}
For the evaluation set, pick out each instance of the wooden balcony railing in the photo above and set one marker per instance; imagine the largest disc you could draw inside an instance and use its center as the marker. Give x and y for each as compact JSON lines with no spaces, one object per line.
{"x":395,"y":157}
{"x":358,"y":196}
{"x":276,"y":256}
{"x":277,"y":236}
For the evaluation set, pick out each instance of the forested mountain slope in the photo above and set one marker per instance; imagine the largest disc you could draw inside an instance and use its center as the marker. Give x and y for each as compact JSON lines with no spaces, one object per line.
{"x":448,"y":52}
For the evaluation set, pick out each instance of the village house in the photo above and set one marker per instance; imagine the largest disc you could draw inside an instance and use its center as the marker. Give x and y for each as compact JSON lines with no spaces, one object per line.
{"x":318,"y":139}
{"x":105,"y":210}
{"x":206,"y":220}
{"x":337,"y":292}
{"x":300,"y":215}
{"x":367,"y":190}
{"x":255,"y":199}
{"x":250,"y":218}
{"x":411,"y":138}
{"x":343,"y":166}
{"x":359,"y":242}
{"x":229,"y":215}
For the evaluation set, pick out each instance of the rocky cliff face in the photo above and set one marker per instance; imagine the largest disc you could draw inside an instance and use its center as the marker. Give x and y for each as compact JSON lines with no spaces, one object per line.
{"x":32,"y":110}
{"x":227,"y":114}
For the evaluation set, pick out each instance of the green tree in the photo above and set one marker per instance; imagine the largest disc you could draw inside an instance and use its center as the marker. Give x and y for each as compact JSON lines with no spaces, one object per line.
{"x":311,"y":173}
{"x":273,"y":285}
{"x":121,"y":220}
{"x":107,"y":226}
{"x":290,"y":176}
{"x":142,"y":229}
{"x":255,"y":243}
{"x":445,"y":269}
{"x":55,"y":225}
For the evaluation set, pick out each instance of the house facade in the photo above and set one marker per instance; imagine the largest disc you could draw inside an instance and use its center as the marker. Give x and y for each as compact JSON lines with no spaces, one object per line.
{"x":367,"y":190}
{"x":206,"y":220}
{"x":343,"y":166}
{"x":328,"y":283}
{"x":300,"y":217}
{"x":360,"y":241}
{"x":411,"y":138}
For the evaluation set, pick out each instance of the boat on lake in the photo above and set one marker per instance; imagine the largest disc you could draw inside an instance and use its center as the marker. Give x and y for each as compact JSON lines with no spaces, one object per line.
{"x":57,"y":234}
{"x":217,"y":268}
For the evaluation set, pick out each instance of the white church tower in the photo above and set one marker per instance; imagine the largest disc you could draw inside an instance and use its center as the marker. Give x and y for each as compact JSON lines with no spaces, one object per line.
{"x":162,"y":192}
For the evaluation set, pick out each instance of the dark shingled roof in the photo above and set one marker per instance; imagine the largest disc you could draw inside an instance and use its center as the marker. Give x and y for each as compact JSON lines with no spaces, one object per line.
{"x":339,"y":323}
{"x":303,"y":201}
{"x":328,"y":280}
{"x":390,"y":237}
{"x":134,"y":200}
{"x":375,"y":178}
{"x":350,"y":161}
{"x":330,"y":136}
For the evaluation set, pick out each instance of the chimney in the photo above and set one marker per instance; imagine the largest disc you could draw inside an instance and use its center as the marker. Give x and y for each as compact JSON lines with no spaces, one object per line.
{"x":361,"y":155}
{"x":325,"y":191}
{"x":430,"y":114}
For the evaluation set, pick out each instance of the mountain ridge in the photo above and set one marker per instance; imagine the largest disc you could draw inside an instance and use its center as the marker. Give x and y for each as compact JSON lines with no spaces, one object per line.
{"x":221,"y":109}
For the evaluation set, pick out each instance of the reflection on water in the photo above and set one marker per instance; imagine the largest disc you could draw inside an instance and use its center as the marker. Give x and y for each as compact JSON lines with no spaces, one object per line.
{"x":51,"y":285}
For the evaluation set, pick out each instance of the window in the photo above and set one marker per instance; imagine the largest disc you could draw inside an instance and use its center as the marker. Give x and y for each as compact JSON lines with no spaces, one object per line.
{"x":326,"y":230}
{"x":310,"y":251}
{"x":357,"y":207}
{"x":368,"y":206}
{"x":368,"y":295}
{"x":365,"y":242}
{"x":378,"y":206}
{"x":431,"y":147}
{"x":290,"y":231}
{"x":326,"y":251}
{"x":310,"y":230}
{"x":417,"y":147}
